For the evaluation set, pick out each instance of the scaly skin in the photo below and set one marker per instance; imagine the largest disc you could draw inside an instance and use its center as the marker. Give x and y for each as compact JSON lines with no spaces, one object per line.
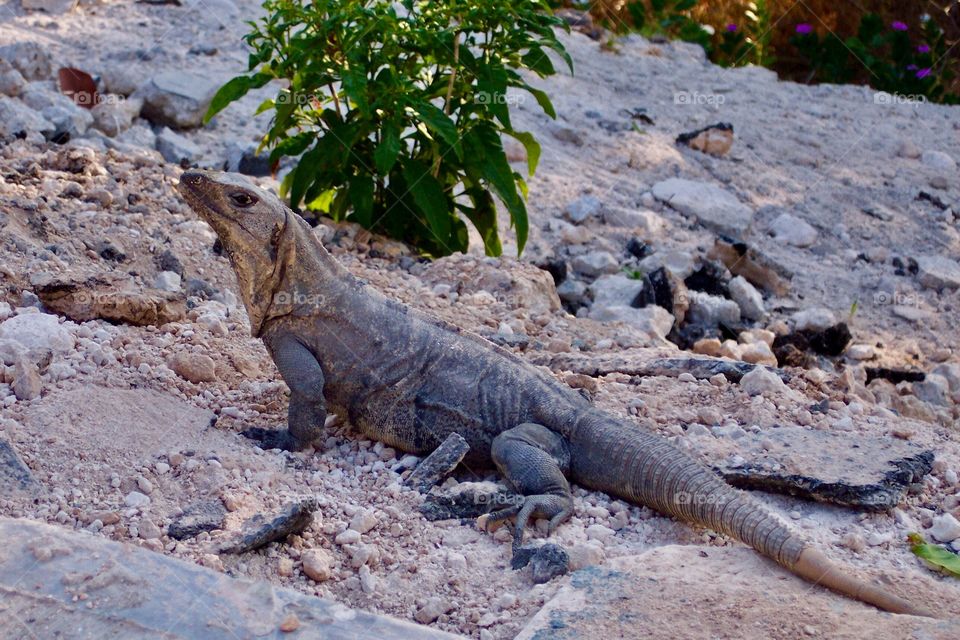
{"x":410,"y":380}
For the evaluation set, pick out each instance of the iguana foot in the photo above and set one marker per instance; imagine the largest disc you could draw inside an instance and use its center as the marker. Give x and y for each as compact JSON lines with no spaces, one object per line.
{"x":306,"y":419}
{"x":533,"y":459}
{"x":302,"y":373}
{"x":272,"y":438}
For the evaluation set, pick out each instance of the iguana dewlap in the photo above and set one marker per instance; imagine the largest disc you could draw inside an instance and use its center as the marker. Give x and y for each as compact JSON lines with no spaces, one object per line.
{"x":410,"y":380}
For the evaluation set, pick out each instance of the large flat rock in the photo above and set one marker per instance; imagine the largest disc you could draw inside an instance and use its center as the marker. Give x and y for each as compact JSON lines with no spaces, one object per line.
{"x":56,"y":583}
{"x":715,"y":208}
{"x":843,"y":468}
{"x":15,"y":476}
{"x":680,"y":592}
{"x":121,"y":421}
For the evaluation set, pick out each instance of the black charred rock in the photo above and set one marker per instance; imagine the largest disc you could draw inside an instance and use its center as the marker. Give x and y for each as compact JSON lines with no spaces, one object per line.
{"x":546,"y":562}
{"x":662,"y":288}
{"x":793,"y":349}
{"x":557,"y":268}
{"x":710,"y":278}
{"x":685,"y":336}
{"x":932,"y":199}
{"x":252,"y":164}
{"x":896,"y":376}
{"x":790,"y":355}
{"x":201,"y":289}
{"x":259,"y":530}
{"x":820,"y":407}
{"x":759,"y":269}
{"x":109,"y":251}
{"x":656,"y":290}
{"x":904,"y":267}
{"x":715,"y":139}
{"x":863,"y":472}
{"x":638,"y":248}
{"x":197,"y":518}
{"x":168,"y":261}
{"x":549,"y":562}
{"x":832,"y":341}
{"x":439,"y":464}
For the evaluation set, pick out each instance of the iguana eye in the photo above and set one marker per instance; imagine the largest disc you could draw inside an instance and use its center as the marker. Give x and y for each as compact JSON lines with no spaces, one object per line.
{"x":242,"y":199}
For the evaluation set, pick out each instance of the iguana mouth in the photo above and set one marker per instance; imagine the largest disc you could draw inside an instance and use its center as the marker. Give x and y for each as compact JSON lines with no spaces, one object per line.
{"x":191,"y":186}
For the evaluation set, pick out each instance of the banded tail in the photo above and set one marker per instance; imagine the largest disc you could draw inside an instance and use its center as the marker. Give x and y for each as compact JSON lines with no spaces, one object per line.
{"x":610,"y":456}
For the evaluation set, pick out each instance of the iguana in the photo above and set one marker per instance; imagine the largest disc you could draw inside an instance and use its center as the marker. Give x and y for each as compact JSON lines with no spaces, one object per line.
{"x":410,"y":380}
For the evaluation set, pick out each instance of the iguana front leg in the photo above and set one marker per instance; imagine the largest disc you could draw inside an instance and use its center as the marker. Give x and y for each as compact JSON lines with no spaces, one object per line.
{"x":535,"y":461}
{"x":308,"y":412}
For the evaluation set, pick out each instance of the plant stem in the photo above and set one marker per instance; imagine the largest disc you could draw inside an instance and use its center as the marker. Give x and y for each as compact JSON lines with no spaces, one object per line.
{"x":336,"y":102}
{"x":448,"y":104}
{"x":448,"y":99}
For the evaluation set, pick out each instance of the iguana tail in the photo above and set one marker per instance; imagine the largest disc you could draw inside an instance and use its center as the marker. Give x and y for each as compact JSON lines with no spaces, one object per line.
{"x":646,"y":469}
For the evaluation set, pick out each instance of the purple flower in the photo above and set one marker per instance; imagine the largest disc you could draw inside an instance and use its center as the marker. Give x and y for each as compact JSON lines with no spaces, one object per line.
{"x":923,"y":73}
{"x":912,"y":67}
{"x":732,"y":28}
{"x":923,"y":48}
{"x":898,"y":26}
{"x":804,"y":28}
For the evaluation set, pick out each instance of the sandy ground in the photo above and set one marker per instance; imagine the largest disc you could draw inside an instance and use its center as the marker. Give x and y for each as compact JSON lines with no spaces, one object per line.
{"x":115,"y":419}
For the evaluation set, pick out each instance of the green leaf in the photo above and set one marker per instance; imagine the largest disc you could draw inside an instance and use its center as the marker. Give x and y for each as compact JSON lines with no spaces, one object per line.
{"x":234,"y":90}
{"x":537,"y":60}
{"x":483,"y":216}
{"x":542,"y":100}
{"x":355,"y":86}
{"x":322,"y":202}
{"x":935,"y":555}
{"x":522,"y":185}
{"x":531,"y":146}
{"x":439,"y":123}
{"x":266,"y":105}
{"x":385,"y":155}
{"x":292,"y":146}
{"x":303,"y":175}
{"x":486,"y":151}
{"x":285,"y":185}
{"x":492,"y":92}
{"x":360,"y":193}
{"x":459,"y":237}
{"x":338,"y":208}
{"x":430,"y":198}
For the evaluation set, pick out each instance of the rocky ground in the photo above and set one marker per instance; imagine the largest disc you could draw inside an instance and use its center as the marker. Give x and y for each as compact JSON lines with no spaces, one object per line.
{"x":128,"y":371}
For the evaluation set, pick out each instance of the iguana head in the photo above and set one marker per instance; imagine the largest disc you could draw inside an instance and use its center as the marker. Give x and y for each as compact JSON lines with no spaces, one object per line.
{"x":281,"y":265}
{"x":251,"y":224}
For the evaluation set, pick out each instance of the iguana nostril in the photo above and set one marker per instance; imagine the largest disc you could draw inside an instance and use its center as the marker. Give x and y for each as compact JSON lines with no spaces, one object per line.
{"x":192,"y":178}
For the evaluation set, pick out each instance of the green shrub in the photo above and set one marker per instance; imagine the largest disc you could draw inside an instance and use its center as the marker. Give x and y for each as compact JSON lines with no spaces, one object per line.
{"x":894,"y":46}
{"x":667,"y":17}
{"x":395,"y":110}
{"x":886,"y":56}
{"x":747,"y":41}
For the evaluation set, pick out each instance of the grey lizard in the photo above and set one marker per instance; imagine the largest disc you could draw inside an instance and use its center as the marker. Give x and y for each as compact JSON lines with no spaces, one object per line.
{"x":410,"y":380}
